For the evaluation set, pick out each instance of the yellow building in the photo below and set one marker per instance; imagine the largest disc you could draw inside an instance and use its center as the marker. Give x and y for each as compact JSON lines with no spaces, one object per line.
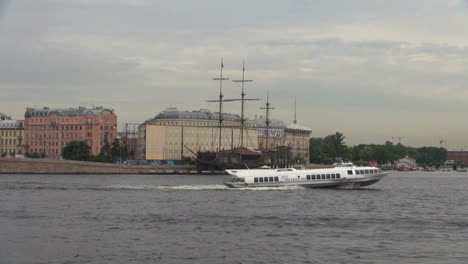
{"x":281,"y":134}
{"x":11,"y":137}
{"x":174,"y":134}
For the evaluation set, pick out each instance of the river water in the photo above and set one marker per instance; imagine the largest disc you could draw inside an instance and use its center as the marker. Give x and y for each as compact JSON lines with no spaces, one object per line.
{"x":417,"y":217}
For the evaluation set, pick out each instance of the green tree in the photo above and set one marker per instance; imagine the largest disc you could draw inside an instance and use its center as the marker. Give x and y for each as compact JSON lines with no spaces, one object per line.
{"x":116,"y":150}
{"x":334,"y":146}
{"x":119,"y":151}
{"x":315,"y":150}
{"x":76,"y":150}
{"x":299,"y":160}
{"x":106,"y":155}
{"x":366,"y":153}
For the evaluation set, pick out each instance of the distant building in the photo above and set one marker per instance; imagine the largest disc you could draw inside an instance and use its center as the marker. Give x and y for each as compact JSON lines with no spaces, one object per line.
{"x":129,"y":140}
{"x":282,"y":134}
{"x":50,"y":130}
{"x":11,"y":137}
{"x":174,"y":133}
{"x":406,"y":162}
{"x":458,"y":157}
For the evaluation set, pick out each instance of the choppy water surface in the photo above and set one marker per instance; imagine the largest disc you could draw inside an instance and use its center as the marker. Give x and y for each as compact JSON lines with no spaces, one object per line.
{"x":405,"y":218}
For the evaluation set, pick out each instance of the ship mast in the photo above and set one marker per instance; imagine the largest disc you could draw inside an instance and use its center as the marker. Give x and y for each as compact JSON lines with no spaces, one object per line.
{"x":267,"y":121}
{"x":221,"y":101}
{"x":243,"y":99}
{"x":220,"y":79}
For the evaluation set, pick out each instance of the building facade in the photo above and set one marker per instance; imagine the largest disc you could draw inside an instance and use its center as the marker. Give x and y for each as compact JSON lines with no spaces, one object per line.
{"x":48,"y":130}
{"x":174,"y":134}
{"x":11,"y":137}
{"x":282,"y":134}
{"x":406,"y":163}
{"x":458,"y":157}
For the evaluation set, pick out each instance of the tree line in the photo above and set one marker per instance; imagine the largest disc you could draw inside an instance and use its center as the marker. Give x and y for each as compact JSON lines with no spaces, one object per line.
{"x":326,"y":150}
{"x":80,"y":150}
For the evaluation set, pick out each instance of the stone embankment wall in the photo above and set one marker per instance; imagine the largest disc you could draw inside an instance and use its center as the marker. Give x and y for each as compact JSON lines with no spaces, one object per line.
{"x":45,"y":166}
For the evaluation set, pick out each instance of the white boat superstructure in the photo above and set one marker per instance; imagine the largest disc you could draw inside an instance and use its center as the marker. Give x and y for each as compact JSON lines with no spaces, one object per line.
{"x":345,"y":175}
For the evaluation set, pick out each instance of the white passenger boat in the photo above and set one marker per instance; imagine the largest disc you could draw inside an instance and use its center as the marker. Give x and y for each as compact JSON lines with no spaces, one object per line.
{"x":345,"y":175}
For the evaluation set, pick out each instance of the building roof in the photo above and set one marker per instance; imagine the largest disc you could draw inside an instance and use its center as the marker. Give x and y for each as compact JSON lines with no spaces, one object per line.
{"x":407,"y":159}
{"x":4,"y":117}
{"x":70,"y":112}
{"x":202,"y":114}
{"x":298,"y":127}
{"x":5,"y":124}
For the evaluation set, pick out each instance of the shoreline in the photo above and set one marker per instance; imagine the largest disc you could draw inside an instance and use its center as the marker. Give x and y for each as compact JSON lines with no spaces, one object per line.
{"x":48,"y":166}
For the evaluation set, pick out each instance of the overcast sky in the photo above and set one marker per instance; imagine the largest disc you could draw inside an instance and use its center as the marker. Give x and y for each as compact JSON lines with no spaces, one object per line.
{"x":371,"y":69}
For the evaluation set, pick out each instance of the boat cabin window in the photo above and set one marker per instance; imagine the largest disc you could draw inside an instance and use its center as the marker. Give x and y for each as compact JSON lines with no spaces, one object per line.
{"x":284,"y":170}
{"x":271,"y":179}
{"x":328,"y":176}
{"x":276,"y":178}
{"x":313,"y":177}
{"x":371,"y":171}
{"x":357,"y":172}
{"x":338,"y":176}
{"x":323,"y":176}
{"x":265,"y":179}
{"x":367,"y":171}
{"x":260,"y":179}
{"x":308,"y":177}
{"x":350,"y":172}
{"x":255,"y":179}
{"x":333,"y":175}
{"x":237,"y":180}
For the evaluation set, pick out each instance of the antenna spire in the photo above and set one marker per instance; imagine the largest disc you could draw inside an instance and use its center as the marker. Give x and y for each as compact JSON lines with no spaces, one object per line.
{"x":295,"y":109}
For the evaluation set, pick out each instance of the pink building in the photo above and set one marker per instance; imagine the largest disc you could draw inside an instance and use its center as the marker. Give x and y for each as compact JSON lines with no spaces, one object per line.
{"x":49,"y":130}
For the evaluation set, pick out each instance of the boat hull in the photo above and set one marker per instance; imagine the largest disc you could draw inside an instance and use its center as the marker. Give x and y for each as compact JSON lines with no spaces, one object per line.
{"x":337,"y":183}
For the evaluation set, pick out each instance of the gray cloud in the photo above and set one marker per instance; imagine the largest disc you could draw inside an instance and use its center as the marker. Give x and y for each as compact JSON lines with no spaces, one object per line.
{"x":354,"y":66}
